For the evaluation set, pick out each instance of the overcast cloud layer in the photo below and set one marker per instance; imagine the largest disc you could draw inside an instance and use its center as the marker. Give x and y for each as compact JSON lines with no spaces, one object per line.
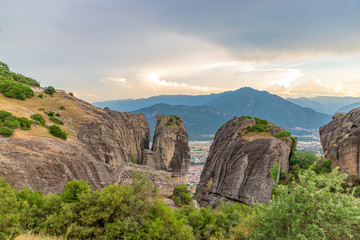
{"x":119,"y":49}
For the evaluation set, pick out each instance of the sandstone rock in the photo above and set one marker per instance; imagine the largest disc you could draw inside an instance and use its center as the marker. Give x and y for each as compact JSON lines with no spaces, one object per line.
{"x":99,"y":142}
{"x":161,"y":179}
{"x":239,"y":168}
{"x":170,"y":149}
{"x":48,"y":164}
{"x":340,"y":140}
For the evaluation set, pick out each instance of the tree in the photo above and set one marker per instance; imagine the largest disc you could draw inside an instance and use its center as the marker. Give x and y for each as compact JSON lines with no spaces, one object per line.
{"x":316,"y":207}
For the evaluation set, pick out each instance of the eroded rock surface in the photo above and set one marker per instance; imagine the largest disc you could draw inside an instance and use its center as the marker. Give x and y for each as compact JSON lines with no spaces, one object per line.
{"x":99,"y":142}
{"x":170,"y":150}
{"x":340,"y":140}
{"x":239,"y":165}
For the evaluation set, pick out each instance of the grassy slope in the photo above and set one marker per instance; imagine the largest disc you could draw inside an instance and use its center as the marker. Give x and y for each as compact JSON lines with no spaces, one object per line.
{"x":71,"y":115}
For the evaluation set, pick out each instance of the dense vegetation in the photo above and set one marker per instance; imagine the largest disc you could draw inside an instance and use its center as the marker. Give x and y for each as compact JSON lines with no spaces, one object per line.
{"x":314,"y":206}
{"x":6,"y":74}
{"x":8,"y":123}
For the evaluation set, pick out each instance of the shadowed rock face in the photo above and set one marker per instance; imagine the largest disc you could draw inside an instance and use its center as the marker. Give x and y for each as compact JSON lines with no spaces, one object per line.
{"x":340,"y":140}
{"x":170,"y":149}
{"x":239,"y":168}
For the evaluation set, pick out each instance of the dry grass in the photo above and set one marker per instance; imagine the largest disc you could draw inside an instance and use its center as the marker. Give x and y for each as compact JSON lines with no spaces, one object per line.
{"x":252,"y":135}
{"x":29,"y":236}
{"x":71,"y":115}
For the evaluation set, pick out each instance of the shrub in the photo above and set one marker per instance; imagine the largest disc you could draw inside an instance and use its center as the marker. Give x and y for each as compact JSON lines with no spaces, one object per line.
{"x":38,"y":118}
{"x":9,"y":217}
{"x":41,"y":95}
{"x":16,"y":90}
{"x":57,"y":132}
{"x":316,"y":207}
{"x":275,"y":172}
{"x":62,"y":108}
{"x":50,"y":114}
{"x":6,"y":131}
{"x":181,"y":196}
{"x":71,"y":94}
{"x":261,"y":121}
{"x":106,"y":108}
{"x":49,"y":90}
{"x":134,"y":160}
{"x":4,"y":115}
{"x":41,"y":109}
{"x":57,"y":115}
{"x":282,"y":134}
{"x":11,"y":124}
{"x":73,"y":189}
{"x":56,"y":120}
{"x":25,"y":124}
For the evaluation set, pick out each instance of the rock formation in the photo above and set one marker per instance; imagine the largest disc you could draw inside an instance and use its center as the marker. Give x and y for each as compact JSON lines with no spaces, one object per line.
{"x":99,"y":142}
{"x":340,"y":140}
{"x":239,"y":165}
{"x":170,"y":149}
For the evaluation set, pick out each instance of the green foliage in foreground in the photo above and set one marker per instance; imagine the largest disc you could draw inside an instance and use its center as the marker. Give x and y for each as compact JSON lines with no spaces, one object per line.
{"x":182,"y":196}
{"x":8,"y":123}
{"x":315,"y":207}
{"x":57,"y":132}
{"x":13,"y":89}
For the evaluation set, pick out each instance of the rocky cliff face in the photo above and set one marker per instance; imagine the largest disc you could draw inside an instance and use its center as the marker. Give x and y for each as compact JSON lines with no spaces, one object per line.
{"x":340,"y":140}
{"x":170,"y":149}
{"x":99,"y":142}
{"x":239,"y":165}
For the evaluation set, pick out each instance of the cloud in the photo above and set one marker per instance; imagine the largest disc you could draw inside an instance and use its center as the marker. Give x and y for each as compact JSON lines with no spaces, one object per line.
{"x":311,"y":88}
{"x":153,"y":80}
{"x":110,"y":80}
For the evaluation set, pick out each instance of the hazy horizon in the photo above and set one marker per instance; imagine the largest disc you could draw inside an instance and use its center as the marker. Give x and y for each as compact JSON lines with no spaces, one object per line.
{"x":109,"y":50}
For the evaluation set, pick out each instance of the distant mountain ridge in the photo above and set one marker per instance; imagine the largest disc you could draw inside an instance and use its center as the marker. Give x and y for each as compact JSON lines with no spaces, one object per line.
{"x":325,"y":104}
{"x":204,"y":114}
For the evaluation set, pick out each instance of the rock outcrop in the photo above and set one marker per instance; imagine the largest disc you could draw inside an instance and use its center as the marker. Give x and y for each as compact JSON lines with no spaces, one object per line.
{"x":340,"y":140}
{"x":170,"y":150}
{"x":99,"y":142}
{"x":239,"y":165}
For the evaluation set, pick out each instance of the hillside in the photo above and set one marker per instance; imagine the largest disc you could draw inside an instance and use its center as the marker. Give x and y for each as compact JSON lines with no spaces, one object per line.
{"x":203,"y":121}
{"x":129,"y":105}
{"x":326,"y":104}
{"x":349,"y":107}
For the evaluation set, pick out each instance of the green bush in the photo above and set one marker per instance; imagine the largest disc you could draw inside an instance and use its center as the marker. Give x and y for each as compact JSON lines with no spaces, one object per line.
{"x":41,"y":95}
{"x":16,"y":90}
{"x":275,"y":172}
{"x":316,"y":207}
{"x":50,"y":90}
{"x":261,"y":121}
{"x":6,"y":131}
{"x":6,"y":74}
{"x":57,"y":115}
{"x":9,"y":216}
{"x":73,"y":189}
{"x":38,"y":118}
{"x":71,"y":94}
{"x":50,"y":114}
{"x":62,"y":108}
{"x":25,"y":124}
{"x":57,"y":132}
{"x":56,"y":120}
{"x":11,"y":124}
{"x":181,"y":196}
{"x":282,"y":134}
{"x":4,"y":115}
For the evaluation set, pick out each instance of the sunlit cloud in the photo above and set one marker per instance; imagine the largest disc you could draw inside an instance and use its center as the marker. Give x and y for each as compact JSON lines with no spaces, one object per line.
{"x":154,"y":80}
{"x":120,"y":81}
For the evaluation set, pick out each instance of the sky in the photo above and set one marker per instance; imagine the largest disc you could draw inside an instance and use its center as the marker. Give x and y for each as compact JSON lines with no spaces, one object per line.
{"x":121,"y":49}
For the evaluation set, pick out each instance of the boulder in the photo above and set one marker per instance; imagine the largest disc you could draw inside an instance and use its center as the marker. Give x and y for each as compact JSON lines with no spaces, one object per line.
{"x":239,"y":165}
{"x":340,"y":140}
{"x":170,"y":149}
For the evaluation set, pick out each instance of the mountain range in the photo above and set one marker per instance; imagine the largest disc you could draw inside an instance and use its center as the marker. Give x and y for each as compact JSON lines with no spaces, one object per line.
{"x":204,"y":114}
